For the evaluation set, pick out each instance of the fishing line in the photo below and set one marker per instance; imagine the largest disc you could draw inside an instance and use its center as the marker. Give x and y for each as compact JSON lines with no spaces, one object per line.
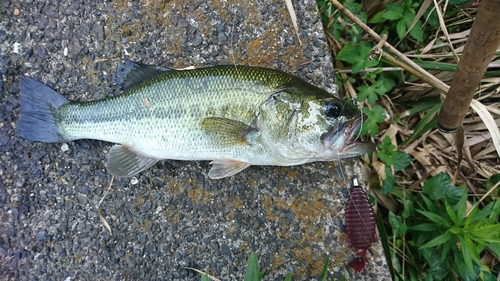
{"x":232,"y":48}
{"x":362,"y":119}
{"x":341,"y":170}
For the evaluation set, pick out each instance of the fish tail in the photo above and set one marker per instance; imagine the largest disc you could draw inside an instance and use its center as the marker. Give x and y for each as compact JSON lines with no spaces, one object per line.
{"x":39,"y":105}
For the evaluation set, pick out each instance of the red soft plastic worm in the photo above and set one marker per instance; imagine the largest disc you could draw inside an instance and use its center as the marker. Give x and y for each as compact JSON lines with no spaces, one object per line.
{"x":360,"y":223}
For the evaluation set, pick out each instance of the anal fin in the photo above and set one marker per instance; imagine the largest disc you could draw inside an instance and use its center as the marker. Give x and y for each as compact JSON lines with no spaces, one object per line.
{"x":124,"y":162}
{"x":226,"y":168}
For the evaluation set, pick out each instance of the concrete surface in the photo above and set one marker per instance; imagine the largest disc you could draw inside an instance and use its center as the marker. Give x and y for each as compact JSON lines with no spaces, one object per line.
{"x":174,"y":216}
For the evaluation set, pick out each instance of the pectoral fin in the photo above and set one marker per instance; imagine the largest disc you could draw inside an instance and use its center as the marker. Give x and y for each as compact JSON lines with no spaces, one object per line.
{"x":124,"y":162}
{"x":226,"y":168}
{"x":227,"y":132}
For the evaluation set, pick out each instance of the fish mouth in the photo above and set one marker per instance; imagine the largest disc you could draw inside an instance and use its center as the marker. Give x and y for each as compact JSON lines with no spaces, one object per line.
{"x":352,"y":130}
{"x":349,"y":128}
{"x":351,"y":146}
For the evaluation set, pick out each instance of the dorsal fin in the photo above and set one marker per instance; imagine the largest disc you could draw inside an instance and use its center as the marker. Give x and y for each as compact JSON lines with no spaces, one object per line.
{"x":130,"y":73}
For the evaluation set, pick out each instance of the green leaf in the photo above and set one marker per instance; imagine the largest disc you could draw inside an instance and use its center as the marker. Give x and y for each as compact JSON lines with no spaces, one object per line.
{"x":453,"y":194}
{"x":408,"y":17}
{"x":372,"y":92}
{"x":432,"y":18}
{"x":388,"y":184}
{"x":290,"y":276}
{"x":380,"y":87}
{"x":492,"y":181}
{"x":399,"y":227}
{"x":377,"y":18}
{"x":467,"y":253}
{"x":337,"y":28}
{"x":204,"y":277}
{"x":462,"y":206}
{"x":386,"y":153}
{"x":435,"y":218}
{"x":495,"y":248}
{"x":412,"y":273}
{"x":429,"y":205}
{"x":422,"y":238}
{"x":401,"y":161}
{"x":401,"y":29}
{"x":446,"y":250}
{"x":417,"y":32}
{"x":483,"y":235}
{"x":366,"y":92}
{"x":261,"y":274}
{"x":252,"y":273}
{"x":487,"y":275}
{"x":357,"y":55}
{"x":472,"y":215}
{"x":462,"y":269}
{"x":495,"y":210}
{"x":455,"y":230}
{"x":488,"y":230}
{"x":441,"y":239}
{"x":426,"y":227}
{"x":436,"y":186}
{"x":394,"y":11}
{"x":408,"y":209}
{"x":372,"y":75}
{"x":370,"y":126}
{"x":387,"y":146}
{"x":451,"y":214}
{"x":387,"y":82}
{"x":477,"y":215}
{"x":437,"y":65}
{"x":422,"y":104}
{"x":438,"y":268}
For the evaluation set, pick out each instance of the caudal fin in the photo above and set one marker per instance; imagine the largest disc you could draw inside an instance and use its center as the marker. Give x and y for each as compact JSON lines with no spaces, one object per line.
{"x":39,"y":103}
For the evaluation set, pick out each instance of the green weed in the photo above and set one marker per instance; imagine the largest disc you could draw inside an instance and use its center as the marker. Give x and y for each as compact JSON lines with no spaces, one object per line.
{"x":438,"y":235}
{"x":253,"y":274}
{"x":400,"y":17}
{"x":436,"y":231}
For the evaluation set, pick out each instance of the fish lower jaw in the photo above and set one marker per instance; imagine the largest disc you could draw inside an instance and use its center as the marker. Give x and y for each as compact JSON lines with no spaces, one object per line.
{"x":356,"y":148}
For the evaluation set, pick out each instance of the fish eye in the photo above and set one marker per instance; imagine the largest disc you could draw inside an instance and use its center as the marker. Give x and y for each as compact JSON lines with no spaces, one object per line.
{"x":332,"y":110}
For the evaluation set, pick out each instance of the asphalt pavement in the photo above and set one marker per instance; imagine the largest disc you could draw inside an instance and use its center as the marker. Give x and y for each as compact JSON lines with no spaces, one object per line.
{"x":172,"y":217}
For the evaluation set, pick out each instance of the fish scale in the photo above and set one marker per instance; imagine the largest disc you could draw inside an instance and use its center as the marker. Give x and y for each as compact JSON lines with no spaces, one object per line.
{"x":172,"y":96}
{"x":235,"y":116}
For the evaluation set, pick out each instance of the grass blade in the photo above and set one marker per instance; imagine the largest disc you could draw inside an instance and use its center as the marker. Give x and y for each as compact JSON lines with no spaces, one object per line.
{"x":441,"y":239}
{"x":252,"y":273}
{"x":429,"y":121}
{"x":324,"y":272}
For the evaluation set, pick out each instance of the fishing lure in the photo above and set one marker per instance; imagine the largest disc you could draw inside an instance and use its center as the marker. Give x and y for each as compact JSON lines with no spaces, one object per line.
{"x":360,"y":223}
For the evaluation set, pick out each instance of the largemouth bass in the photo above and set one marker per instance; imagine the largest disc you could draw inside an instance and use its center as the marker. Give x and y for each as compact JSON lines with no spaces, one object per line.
{"x":234,"y":116}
